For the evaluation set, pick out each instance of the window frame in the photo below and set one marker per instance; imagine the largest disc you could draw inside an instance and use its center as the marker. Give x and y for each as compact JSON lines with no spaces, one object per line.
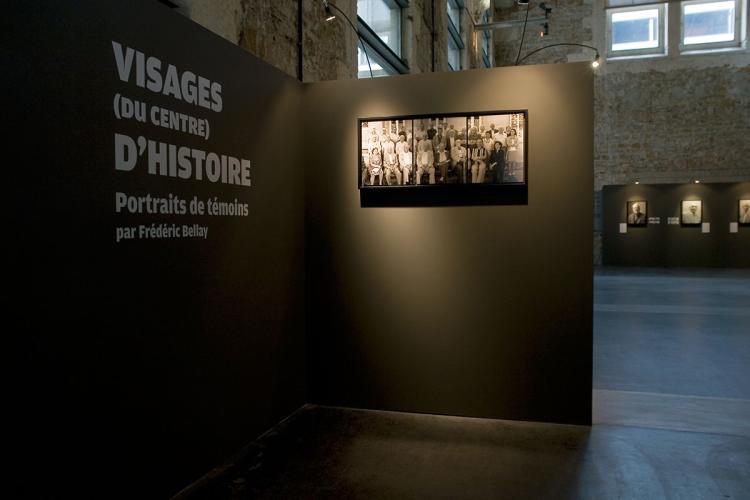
{"x":738,"y":42}
{"x":454,"y":34}
{"x":662,"y":32}
{"x":376,"y":47}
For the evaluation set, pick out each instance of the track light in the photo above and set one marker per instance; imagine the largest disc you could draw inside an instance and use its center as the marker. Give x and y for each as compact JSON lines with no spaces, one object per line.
{"x":547,"y":10}
{"x":330,"y":16}
{"x":595,"y":63}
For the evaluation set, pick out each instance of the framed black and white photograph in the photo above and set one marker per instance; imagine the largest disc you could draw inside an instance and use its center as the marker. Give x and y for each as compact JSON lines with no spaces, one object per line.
{"x":497,"y":149}
{"x":438,"y":150}
{"x":691,"y":213}
{"x":743,"y":214}
{"x":637,"y":213}
{"x":386,"y":155}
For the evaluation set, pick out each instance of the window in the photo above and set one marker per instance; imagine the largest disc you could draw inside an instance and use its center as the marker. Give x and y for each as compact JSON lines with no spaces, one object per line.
{"x":384,"y":18}
{"x":379,"y":25}
{"x":380,"y":66}
{"x":713,"y":24}
{"x":455,"y":42}
{"x":454,"y":55}
{"x":637,"y":31}
{"x":485,"y":41}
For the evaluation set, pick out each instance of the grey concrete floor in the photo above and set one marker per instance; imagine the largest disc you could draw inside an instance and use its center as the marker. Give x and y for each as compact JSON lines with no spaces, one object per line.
{"x":671,"y":418}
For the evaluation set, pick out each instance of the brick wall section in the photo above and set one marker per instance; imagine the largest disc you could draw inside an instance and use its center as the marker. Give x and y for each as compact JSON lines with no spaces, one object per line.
{"x":666,"y":120}
{"x":570,"y":21}
{"x":673,"y":126}
{"x":269,"y":31}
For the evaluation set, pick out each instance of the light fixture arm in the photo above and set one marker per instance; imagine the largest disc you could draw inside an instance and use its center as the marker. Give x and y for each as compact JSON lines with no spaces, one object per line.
{"x":356,"y":31}
{"x":557,"y":45}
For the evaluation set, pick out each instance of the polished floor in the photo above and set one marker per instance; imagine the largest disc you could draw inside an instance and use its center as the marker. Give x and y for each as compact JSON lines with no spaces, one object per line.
{"x":671,"y":418}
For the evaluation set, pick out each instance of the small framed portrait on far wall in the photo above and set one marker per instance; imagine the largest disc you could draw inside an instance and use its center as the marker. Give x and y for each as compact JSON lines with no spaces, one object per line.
{"x":637,"y":213}
{"x":691,"y":213}
{"x":743,"y":216}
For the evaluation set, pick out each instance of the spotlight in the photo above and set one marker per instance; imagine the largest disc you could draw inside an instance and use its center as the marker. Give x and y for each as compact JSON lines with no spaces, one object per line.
{"x":697,"y":181}
{"x":637,"y":182}
{"x":330,"y":16}
{"x":595,"y":62}
{"x":544,"y":31}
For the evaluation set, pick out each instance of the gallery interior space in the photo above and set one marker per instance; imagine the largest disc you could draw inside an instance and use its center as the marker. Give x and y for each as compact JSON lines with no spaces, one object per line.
{"x":402,"y":249}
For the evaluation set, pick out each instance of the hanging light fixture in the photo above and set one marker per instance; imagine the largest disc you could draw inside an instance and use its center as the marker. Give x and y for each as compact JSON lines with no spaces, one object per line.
{"x":595,"y":63}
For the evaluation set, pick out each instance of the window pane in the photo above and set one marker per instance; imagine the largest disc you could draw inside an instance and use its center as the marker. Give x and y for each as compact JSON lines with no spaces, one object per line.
{"x":454,"y":55}
{"x":379,"y":66}
{"x":384,"y":18}
{"x":454,"y":14}
{"x":635,"y":29}
{"x":708,"y":22}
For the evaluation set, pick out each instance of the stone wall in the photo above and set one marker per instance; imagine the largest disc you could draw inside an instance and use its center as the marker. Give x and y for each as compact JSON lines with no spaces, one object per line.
{"x":269,"y":30}
{"x":671,"y":119}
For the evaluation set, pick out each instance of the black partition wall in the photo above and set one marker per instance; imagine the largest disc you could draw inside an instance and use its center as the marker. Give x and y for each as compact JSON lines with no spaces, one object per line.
{"x":158,"y":305}
{"x":665,"y":241}
{"x":192,"y":262}
{"x":473,"y":310}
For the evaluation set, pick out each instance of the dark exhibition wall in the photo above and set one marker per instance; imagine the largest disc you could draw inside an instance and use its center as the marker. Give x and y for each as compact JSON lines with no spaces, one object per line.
{"x":155,"y":338}
{"x":193,"y":262}
{"x":477,"y":311}
{"x":665,"y":241}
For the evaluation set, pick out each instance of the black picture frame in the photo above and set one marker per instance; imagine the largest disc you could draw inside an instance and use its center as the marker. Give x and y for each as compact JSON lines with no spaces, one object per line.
{"x":688,"y":217}
{"x":743,"y":212}
{"x":463,"y":183}
{"x":630,"y":215}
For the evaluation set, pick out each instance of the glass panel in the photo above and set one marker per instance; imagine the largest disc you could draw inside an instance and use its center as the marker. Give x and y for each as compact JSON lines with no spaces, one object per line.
{"x":454,"y":55}
{"x":384,"y":18}
{"x":635,"y":29}
{"x":386,"y":156}
{"x":496,"y":149}
{"x":440,"y":155}
{"x":708,"y":22}
{"x":379,"y":66}
{"x":454,"y":15}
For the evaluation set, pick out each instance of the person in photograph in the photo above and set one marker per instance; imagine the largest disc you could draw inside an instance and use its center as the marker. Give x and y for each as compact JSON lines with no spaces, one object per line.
{"x":497,"y":162}
{"x":376,"y":167}
{"x":499,"y":136}
{"x":514,"y":157}
{"x":443,"y":162}
{"x":425,"y":161}
{"x":636,"y":216}
{"x":450,"y":136}
{"x":745,"y":212}
{"x":488,"y":142}
{"x":473,"y":137}
{"x":458,"y":159}
{"x":401,"y":141}
{"x":390,"y":163}
{"x":478,"y":162}
{"x":374,"y":141}
{"x":405,"y":163}
{"x":690,"y":213}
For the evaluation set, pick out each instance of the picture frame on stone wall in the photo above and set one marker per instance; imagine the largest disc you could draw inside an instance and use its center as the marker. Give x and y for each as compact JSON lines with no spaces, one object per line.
{"x":637,"y":213}
{"x":743,"y":212}
{"x":691,"y":212}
